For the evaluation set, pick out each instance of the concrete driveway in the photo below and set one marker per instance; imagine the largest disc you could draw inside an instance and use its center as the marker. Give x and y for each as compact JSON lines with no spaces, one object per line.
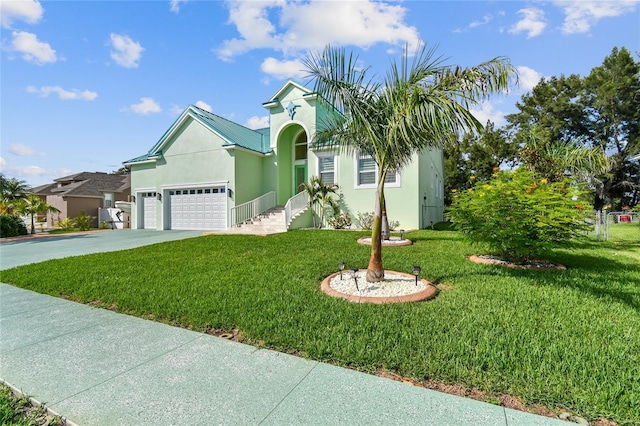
{"x":16,"y":252}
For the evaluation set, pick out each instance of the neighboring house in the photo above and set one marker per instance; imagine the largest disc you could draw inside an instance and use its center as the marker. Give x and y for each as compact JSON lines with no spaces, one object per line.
{"x":205,"y":169}
{"x":83,"y":191}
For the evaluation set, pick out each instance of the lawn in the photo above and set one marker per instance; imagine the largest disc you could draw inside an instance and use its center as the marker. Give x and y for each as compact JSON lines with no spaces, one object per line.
{"x":565,"y":339}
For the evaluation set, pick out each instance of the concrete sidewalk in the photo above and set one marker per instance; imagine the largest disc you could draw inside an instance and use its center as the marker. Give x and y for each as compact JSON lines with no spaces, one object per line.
{"x":97,"y":367}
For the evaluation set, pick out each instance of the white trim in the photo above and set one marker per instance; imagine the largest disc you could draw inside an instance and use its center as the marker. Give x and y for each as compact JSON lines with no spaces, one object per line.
{"x":289,"y":82}
{"x":141,"y":162}
{"x":250,"y":151}
{"x":356,"y":175}
{"x":276,"y":137}
{"x":224,"y":183}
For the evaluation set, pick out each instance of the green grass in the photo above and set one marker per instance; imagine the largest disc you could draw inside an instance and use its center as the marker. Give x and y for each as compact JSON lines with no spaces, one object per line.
{"x":17,"y":410}
{"x":566,"y":339}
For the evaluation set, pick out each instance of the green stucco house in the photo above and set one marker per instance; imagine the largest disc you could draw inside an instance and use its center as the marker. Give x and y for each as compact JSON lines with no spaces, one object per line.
{"x":209,"y":173}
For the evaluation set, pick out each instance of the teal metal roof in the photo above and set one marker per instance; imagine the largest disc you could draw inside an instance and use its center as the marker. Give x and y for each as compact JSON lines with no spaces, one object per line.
{"x":233,"y":133}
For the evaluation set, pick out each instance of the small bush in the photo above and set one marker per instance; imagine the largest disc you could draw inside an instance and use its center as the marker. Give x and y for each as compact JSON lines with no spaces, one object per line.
{"x":11,"y":226}
{"x":65,"y":224}
{"x":393,"y":225}
{"x":83,"y":221}
{"x":340,"y":221}
{"x":519,"y":216}
{"x":365,"y":220}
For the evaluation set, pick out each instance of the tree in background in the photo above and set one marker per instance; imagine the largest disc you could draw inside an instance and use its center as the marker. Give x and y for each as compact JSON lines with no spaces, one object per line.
{"x":476,"y":157}
{"x":416,"y":106}
{"x":585,"y":116}
{"x":11,"y":192}
{"x":612,"y":103}
{"x":32,"y":205}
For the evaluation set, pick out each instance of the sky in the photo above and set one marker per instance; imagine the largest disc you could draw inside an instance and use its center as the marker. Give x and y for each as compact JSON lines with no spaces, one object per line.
{"x":87,"y":85}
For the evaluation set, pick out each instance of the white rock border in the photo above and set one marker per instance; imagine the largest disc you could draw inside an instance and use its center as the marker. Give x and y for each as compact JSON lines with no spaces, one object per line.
{"x":398,"y":287}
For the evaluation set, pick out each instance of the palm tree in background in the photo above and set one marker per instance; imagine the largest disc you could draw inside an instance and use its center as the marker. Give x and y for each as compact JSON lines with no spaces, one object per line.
{"x":418,"y":103}
{"x":32,"y":205}
{"x":11,"y":192}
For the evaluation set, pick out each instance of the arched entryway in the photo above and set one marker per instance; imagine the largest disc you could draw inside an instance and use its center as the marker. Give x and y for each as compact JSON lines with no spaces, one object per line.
{"x":293,"y":168}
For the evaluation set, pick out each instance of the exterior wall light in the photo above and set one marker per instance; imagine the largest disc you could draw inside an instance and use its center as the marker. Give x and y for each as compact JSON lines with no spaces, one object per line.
{"x":159,"y":196}
{"x":133,"y":198}
{"x":416,"y":271}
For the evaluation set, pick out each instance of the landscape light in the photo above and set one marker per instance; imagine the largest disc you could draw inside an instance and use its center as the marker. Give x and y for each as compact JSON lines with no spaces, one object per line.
{"x":416,"y":271}
{"x":341,"y":267}
{"x":355,"y":278}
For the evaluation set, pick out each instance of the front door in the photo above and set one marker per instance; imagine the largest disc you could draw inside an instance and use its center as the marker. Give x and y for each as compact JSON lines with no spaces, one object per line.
{"x":300,"y":176}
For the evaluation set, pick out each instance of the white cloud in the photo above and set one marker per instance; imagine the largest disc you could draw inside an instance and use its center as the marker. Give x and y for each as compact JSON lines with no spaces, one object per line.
{"x":486,"y":112}
{"x":175,"y":5}
{"x":203,"y":105}
{"x":528,"y":77}
{"x":581,"y":15}
{"x":31,"y":48}
{"x":125,"y":51}
{"x":256,"y":122}
{"x":23,"y":150}
{"x":64,"y":94}
{"x":30,"y":171}
{"x":291,"y":26}
{"x":283,"y":69}
{"x":29,"y":11}
{"x":485,"y":20}
{"x":146,"y":106}
{"x":533,"y":22}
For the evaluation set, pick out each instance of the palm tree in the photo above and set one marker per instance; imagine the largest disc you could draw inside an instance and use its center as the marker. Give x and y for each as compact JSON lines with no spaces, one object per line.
{"x":318,"y":193}
{"x":413,"y":108}
{"x":33,"y":205}
{"x":555,"y":159}
{"x":11,"y":192}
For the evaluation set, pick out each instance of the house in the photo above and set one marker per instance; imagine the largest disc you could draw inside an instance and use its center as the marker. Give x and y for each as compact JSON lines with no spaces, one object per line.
{"x":209,"y":173}
{"x":84,"y":191}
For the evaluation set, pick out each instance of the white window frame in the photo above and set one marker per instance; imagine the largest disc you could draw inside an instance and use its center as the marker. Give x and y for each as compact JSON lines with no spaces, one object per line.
{"x":356,"y":175}
{"x":335,"y":165}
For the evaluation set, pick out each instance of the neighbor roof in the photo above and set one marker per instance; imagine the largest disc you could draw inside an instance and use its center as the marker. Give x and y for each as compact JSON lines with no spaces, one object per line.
{"x":85,"y":184}
{"x":233,"y":134}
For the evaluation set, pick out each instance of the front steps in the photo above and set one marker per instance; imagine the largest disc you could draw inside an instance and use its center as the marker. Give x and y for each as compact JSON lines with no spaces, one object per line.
{"x":270,"y":222}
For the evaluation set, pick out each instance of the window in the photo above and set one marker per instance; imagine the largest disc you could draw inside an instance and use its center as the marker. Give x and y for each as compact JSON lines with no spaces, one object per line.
{"x":108,"y":200}
{"x":367,"y":173}
{"x":327,"y":169}
{"x":300,"y":147}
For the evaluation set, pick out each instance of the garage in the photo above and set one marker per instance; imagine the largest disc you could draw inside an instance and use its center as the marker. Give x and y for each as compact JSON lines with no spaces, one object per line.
{"x":199,"y":208}
{"x":149,"y":210}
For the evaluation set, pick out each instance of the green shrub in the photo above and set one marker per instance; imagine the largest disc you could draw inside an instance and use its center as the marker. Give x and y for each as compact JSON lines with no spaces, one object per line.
{"x":11,"y":226}
{"x":83,"y":221}
{"x":520,"y":216}
{"x":65,"y":224}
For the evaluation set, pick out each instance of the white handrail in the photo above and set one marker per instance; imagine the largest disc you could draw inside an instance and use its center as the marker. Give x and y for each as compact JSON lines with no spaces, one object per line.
{"x":251,"y":209}
{"x":294,"y":205}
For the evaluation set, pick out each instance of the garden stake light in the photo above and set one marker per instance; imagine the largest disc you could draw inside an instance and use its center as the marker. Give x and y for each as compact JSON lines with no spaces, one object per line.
{"x":355,"y":279}
{"x":402,"y":234}
{"x":416,"y":271}
{"x":341,"y":267}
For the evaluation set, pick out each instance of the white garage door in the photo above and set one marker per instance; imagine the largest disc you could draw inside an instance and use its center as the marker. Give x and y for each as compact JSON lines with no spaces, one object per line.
{"x":149,"y":210}
{"x":199,"y":209}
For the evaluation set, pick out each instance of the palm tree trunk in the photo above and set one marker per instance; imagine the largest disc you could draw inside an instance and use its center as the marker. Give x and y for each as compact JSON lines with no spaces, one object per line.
{"x":385,"y":221}
{"x":375,"y":271}
{"x":33,"y":224}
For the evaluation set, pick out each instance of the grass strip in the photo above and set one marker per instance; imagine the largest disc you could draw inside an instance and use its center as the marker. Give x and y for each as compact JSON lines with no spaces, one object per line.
{"x":565,"y":339}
